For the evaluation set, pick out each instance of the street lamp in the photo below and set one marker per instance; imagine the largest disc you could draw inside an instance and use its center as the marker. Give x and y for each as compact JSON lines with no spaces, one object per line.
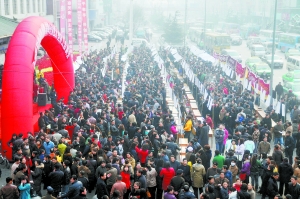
{"x":273,"y":52}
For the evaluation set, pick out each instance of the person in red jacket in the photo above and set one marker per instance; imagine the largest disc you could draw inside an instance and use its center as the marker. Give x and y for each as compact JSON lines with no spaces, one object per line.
{"x":142,"y":154}
{"x":126,"y":179}
{"x":167,"y":173}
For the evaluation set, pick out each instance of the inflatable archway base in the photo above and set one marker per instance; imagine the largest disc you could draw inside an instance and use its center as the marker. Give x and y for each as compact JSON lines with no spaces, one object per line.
{"x":18,"y":74}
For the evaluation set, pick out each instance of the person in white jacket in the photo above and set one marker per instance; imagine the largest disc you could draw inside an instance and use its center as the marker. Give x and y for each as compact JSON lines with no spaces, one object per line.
{"x":249,"y":145}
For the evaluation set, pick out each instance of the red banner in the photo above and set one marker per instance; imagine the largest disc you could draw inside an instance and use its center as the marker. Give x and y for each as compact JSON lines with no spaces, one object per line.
{"x":63,"y":18}
{"x":79,"y":24}
{"x":69,"y":25}
{"x":85,"y":27}
{"x":240,"y":70}
{"x":265,"y":86}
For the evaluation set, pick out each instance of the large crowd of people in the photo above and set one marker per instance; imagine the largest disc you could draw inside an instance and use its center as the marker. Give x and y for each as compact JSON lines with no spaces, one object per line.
{"x":129,"y":149}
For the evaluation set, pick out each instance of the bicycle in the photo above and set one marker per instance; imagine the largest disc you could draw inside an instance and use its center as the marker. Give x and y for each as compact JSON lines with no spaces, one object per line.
{"x":3,"y":160}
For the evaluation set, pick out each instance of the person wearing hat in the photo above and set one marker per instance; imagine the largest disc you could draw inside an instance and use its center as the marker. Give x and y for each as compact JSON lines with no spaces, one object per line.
{"x":212,"y":170}
{"x":50,"y":190}
{"x":177,"y":181}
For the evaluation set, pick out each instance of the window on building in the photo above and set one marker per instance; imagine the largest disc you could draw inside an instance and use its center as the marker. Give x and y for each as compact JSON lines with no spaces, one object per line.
{"x":28,"y":6}
{"x":39,"y":6}
{"x":33,"y":6}
{"x":6,"y":7}
{"x":15,"y":7}
{"x":22,"y":6}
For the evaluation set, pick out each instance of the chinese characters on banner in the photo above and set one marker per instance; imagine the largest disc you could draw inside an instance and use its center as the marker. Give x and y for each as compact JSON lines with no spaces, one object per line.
{"x":63,"y":17}
{"x":84,"y":26}
{"x":79,"y":21}
{"x":69,"y":25}
{"x":231,"y":63}
{"x":240,"y":70}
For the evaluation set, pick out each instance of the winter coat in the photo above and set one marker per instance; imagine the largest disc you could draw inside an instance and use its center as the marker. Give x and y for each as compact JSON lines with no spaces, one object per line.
{"x":101,"y":188}
{"x":272,"y":189}
{"x":285,"y":171}
{"x":246,"y":167}
{"x":294,"y":190}
{"x":204,"y":136}
{"x":197,"y":175}
{"x":186,"y":172}
{"x":141,"y":154}
{"x":220,"y":160}
{"x":167,"y":174}
{"x":74,"y":190}
{"x":56,"y":178}
{"x":169,"y":196}
{"x":219,"y":135}
{"x":177,"y":183}
{"x":289,"y":143}
{"x":277,"y":157}
{"x":37,"y":175}
{"x":263,"y":147}
{"x":234,"y":170}
{"x":151,"y":177}
{"x":126,"y":178}
{"x":25,"y":191}
{"x":9,"y":191}
{"x":224,"y":193}
{"x":67,"y":175}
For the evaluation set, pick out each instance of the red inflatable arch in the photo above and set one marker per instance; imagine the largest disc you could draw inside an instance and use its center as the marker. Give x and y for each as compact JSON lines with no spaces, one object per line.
{"x":18,"y":73}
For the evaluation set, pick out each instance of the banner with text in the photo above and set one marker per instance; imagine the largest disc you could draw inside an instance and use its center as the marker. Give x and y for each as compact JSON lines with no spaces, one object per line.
{"x":63,"y":18}
{"x":69,"y":25}
{"x":85,"y":27}
{"x":79,"y":27}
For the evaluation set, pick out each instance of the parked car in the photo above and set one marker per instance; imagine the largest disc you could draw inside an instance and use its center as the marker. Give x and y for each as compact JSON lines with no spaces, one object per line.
{"x":137,"y":42}
{"x":236,"y":40}
{"x":291,"y":76}
{"x":253,"y":41}
{"x":92,"y":37}
{"x":257,"y":50}
{"x":261,"y":68}
{"x":100,"y":34}
{"x":293,"y":63}
{"x":232,"y":53}
{"x":252,"y":60}
{"x":292,"y":52}
{"x":278,"y":62}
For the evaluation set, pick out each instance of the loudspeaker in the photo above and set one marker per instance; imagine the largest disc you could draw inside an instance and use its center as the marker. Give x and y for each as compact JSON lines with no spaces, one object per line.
{"x":42,"y":100}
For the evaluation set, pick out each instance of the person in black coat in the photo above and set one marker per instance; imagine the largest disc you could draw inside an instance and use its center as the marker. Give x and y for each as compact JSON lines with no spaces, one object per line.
{"x":186,"y":171}
{"x":285,"y":171}
{"x":101,"y":189}
{"x":272,"y":188}
{"x":74,"y":189}
{"x":47,"y":170}
{"x":243,"y":194}
{"x":289,"y":144}
{"x":37,"y":177}
{"x":56,"y":179}
{"x":294,"y":188}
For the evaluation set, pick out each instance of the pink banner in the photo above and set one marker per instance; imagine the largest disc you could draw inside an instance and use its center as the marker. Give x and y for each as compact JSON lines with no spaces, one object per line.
{"x":252,"y":77}
{"x":240,"y":70}
{"x":63,"y":17}
{"x":79,"y":24}
{"x":85,"y":27}
{"x":69,"y":25}
{"x":265,"y":86}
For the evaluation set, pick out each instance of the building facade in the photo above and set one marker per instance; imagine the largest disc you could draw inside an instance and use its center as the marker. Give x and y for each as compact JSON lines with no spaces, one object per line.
{"x":20,"y":9}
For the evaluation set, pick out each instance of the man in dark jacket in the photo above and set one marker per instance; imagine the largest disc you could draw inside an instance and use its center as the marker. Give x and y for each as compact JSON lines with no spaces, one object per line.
{"x":289,"y":144}
{"x":279,"y":90}
{"x":285,"y":171}
{"x":141,"y":178}
{"x":203,"y":138}
{"x":9,"y":190}
{"x":56,"y":179}
{"x":186,"y":171}
{"x":294,"y":188}
{"x":37,"y":177}
{"x":272,"y":188}
{"x":177,"y":181}
{"x":101,"y":189}
{"x":74,"y":188}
